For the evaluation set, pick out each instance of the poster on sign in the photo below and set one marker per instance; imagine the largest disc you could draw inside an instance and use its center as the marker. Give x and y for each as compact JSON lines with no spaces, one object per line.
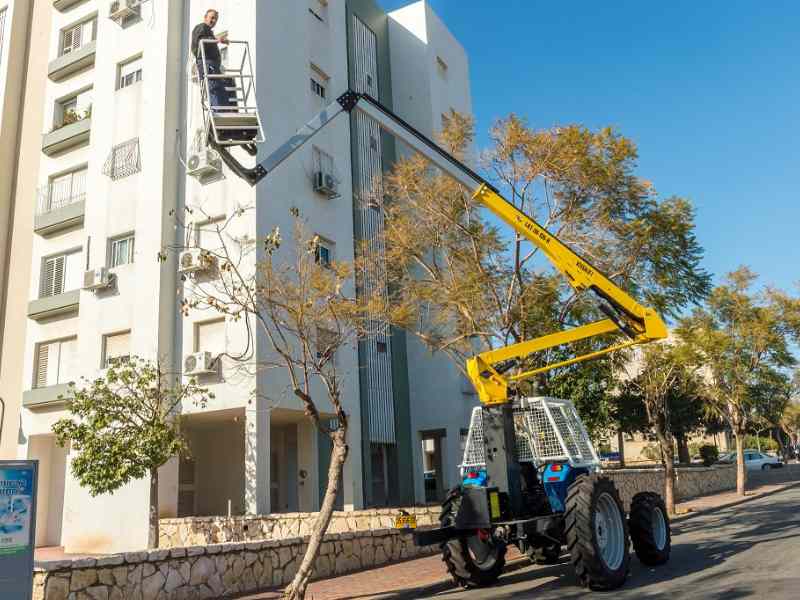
{"x":18,"y":481}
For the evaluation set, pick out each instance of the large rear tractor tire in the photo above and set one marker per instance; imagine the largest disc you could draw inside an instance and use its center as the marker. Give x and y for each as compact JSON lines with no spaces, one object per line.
{"x":474,"y":561}
{"x":649,"y":526}
{"x":597,"y":533}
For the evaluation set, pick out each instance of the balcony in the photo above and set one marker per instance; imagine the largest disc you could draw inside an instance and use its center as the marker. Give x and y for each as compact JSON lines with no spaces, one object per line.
{"x":67,"y":136}
{"x":63,"y":5}
{"x":45,"y":397}
{"x":50,"y":307}
{"x":72,"y":62}
{"x":62,"y":204}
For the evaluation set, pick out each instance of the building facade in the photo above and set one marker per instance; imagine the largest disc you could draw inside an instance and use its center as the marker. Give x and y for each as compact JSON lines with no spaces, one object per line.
{"x":111,"y":115}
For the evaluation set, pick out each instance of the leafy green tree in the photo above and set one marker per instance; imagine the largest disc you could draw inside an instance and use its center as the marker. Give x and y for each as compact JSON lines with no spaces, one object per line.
{"x":736,"y":338}
{"x":124,"y":426}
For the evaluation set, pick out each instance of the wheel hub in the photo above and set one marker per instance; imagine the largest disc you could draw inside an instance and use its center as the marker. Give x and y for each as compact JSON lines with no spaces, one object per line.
{"x":609,"y":532}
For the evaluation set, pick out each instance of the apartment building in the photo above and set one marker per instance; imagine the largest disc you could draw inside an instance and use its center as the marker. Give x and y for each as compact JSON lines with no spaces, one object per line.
{"x":110,"y":119}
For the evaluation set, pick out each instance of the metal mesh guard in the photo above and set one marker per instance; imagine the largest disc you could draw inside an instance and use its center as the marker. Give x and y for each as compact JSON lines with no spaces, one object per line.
{"x":547,"y":430}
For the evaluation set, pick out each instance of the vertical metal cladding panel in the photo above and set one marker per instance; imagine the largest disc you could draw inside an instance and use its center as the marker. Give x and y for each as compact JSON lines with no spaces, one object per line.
{"x":369,"y":226}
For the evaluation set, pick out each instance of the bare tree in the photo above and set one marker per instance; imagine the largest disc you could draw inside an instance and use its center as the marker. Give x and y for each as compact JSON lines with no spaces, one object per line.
{"x":307,"y":309}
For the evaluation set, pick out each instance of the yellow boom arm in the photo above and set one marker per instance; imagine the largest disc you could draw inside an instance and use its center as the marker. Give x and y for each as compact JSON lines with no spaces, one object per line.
{"x":640,"y":324}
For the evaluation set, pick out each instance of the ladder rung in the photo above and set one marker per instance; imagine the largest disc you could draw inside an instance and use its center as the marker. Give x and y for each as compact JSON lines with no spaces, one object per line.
{"x":228,"y":76}
{"x":236,"y":127}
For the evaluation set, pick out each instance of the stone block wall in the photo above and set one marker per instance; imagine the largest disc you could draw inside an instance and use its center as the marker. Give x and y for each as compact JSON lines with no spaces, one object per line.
{"x":198,"y":531}
{"x":215,"y":570}
{"x":689,"y":482}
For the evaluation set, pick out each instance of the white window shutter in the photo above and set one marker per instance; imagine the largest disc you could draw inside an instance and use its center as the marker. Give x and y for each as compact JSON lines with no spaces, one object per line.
{"x":42,"y":355}
{"x":211,"y":337}
{"x":68,"y":363}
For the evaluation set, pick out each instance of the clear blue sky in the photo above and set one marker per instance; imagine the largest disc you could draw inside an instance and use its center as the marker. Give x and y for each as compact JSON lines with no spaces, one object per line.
{"x":709,"y":90}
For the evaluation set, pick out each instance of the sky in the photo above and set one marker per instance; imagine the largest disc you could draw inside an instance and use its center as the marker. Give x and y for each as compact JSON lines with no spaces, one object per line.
{"x":709,"y":91}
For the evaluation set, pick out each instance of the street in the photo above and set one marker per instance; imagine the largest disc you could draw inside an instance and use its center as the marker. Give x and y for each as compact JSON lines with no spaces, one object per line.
{"x":745,"y":551}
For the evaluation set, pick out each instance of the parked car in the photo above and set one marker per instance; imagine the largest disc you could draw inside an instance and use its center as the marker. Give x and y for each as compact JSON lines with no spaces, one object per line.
{"x":755,"y":460}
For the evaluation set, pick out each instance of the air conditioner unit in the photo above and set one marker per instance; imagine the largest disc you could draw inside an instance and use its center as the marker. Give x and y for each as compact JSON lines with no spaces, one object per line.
{"x":325,"y":183}
{"x":121,"y":10}
{"x":204,"y":164}
{"x":199,"y":363}
{"x":195,"y":260}
{"x":97,"y":279}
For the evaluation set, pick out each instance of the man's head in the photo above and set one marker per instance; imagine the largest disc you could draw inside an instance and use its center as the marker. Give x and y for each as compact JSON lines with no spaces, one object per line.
{"x":211,"y":18}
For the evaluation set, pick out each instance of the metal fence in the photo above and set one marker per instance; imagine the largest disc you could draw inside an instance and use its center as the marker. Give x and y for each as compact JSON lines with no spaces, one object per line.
{"x":62,"y":191}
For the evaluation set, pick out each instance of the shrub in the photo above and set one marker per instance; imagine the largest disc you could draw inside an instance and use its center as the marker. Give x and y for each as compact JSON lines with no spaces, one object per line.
{"x":709,"y":453}
{"x":767,"y":444}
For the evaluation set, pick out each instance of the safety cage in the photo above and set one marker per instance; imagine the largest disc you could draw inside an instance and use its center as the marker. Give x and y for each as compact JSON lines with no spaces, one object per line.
{"x":547,"y":430}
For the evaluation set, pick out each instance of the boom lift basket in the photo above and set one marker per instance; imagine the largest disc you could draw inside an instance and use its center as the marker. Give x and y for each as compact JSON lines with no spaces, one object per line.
{"x":239,"y":124}
{"x":547,"y":430}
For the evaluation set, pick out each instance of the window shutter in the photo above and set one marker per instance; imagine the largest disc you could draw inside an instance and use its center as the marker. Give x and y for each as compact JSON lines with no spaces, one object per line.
{"x":68,"y":363}
{"x":66,"y":43}
{"x":53,"y":276}
{"x":118,"y":347}
{"x":42,"y":355}
{"x":211,"y":337}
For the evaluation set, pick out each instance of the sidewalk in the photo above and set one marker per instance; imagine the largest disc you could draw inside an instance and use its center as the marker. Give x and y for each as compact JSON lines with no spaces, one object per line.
{"x":399,"y":581}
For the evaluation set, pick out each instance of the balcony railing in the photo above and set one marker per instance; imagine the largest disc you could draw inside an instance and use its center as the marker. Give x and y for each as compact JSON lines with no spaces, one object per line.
{"x":62,"y":192}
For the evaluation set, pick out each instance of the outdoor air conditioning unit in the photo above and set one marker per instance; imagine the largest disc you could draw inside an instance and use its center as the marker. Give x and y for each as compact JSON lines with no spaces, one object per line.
{"x":97,"y":279}
{"x":121,"y":10}
{"x":325,"y":183}
{"x":204,"y":164}
{"x":194,"y":260}
{"x":199,"y":363}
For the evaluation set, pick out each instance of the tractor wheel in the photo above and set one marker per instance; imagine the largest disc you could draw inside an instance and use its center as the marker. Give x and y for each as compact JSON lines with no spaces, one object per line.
{"x":547,"y":555}
{"x":474,"y":561}
{"x":649,"y":525}
{"x":597,"y":533}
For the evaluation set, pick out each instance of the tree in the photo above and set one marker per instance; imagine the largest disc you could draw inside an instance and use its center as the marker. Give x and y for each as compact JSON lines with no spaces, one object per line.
{"x":738,"y":337}
{"x":125,"y":426}
{"x":460,"y":283}
{"x":307,"y":310}
{"x":655,"y":380}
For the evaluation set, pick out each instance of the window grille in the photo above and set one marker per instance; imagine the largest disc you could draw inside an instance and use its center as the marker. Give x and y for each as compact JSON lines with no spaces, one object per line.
{"x":327,"y":341}
{"x":317,"y":88}
{"x":122,"y":251}
{"x":323,"y":162}
{"x":123,"y":161}
{"x":62,"y":191}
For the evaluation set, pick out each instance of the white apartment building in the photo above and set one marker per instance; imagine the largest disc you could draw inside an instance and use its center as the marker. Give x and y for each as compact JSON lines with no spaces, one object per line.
{"x":110,"y":113}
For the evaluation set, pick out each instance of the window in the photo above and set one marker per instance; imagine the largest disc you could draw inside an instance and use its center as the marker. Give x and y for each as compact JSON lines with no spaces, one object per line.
{"x":323,"y":254}
{"x":121,"y":250}
{"x":323,"y":162}
{"x":123,"y":161}
{"x":116,"y":348}
{"x":129,"y":72}
{"x":382,"y":347}
{"x":77,"y":36}
{"x":65,"y":189}
{"x":56,"y":362}
{"x":73,"y":109}
{"x":463,"y":434}
{"x":373,"y":143}
{"x":210,"y":337}
{"x":319,"y":82}
{"x":326,"y":343}
{"x":442,"y":66}
{"x":207,"y":234}
{"x":60,"y":273}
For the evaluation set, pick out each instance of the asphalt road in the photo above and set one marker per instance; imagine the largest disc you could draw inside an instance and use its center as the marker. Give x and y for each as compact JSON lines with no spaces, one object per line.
{"x":747,"y":551}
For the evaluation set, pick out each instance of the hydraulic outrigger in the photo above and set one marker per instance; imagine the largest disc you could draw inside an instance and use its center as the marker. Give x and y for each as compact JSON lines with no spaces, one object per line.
{"x":502,"y":502}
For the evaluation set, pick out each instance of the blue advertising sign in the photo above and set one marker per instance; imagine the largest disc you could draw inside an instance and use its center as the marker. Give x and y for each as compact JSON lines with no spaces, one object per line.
{"x":18,"y":481}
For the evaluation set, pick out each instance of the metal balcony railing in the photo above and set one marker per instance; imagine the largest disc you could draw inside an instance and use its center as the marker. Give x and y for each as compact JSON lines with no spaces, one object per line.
{"x":62,"y":192}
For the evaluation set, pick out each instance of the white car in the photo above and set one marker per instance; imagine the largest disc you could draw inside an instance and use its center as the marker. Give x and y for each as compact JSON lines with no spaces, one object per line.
{"x":755,"y":461}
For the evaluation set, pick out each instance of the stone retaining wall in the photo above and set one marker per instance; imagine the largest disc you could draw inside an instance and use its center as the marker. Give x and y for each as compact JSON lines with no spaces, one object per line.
{"x":216,"y":570}
{"x":690,"y":482}
{"x":198,"y":531}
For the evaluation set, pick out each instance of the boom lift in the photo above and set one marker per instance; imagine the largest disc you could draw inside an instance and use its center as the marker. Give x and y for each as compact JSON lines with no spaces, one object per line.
{"x":530,"y":473}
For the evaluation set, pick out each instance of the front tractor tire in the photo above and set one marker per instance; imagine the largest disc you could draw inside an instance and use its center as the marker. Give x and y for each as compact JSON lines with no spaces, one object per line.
{"x":473,"y":561}
{"x":649,"y":526}
{"x":597,"y":533}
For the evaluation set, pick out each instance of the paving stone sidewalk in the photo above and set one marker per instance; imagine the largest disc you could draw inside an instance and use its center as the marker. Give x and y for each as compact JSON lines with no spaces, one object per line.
{"x":399,"y":581}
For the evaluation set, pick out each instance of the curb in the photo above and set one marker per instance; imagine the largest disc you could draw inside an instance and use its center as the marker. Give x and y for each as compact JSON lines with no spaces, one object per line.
{"x":706,"y":511}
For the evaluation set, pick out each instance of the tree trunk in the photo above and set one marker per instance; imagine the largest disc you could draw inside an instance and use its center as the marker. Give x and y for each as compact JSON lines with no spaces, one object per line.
{"x":621,"y":446}
{"x":683,"y":450}
{"x":152,"y":531}
{"x":665,"y":442}
{"x":741,"y":473}
{"x":297,"y":589}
